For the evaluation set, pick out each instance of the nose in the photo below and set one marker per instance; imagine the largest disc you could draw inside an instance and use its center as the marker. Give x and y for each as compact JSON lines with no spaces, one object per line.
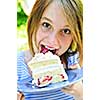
{"x":54,"y":40}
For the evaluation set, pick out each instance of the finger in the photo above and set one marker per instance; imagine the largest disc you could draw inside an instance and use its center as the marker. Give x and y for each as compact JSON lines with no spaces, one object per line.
{"x":19,"y":96}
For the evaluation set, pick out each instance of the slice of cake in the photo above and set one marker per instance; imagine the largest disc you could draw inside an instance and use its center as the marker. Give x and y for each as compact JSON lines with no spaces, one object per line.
{"x":47,"y":68}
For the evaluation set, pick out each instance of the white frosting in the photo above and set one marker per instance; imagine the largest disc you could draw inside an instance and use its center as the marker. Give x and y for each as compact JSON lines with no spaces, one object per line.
{"x":42,"y":57}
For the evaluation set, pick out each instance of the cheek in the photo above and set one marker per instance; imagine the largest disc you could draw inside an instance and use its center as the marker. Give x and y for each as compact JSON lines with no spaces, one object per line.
{"x":39,"y":36}
{"x":65,"y":43}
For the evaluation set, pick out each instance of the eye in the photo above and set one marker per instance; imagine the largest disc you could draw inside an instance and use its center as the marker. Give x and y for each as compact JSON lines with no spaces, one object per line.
{"x":66,"y":31}
{"x":46,"y":26}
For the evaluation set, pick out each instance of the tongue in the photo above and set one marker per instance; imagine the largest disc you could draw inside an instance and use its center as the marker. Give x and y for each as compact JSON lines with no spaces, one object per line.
{"x":44,"y":50}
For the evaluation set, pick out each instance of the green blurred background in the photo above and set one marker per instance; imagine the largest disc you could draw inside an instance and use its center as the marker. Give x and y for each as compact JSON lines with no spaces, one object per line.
{"x":21,"y":28}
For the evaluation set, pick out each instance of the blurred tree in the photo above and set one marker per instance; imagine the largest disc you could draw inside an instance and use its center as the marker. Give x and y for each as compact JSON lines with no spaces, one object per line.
{"x":23,"y":10}
{"x":27,"y":5}
{"x":21,"y":16}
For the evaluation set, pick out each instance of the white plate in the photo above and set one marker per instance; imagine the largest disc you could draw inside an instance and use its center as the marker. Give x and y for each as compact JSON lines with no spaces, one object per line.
{"x":72,"y":78}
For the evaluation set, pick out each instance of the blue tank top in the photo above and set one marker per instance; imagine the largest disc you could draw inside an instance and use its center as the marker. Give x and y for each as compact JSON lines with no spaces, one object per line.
{"x":24,"y":81}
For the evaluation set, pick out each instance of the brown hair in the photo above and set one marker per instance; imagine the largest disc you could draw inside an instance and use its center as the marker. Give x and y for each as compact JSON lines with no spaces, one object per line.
{"x":74,"y":13}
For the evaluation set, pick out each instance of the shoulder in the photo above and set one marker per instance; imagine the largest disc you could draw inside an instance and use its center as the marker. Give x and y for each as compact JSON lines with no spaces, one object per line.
{"x":73,"y":61}
{"x":25,"y":56}
{"x":23,"y":72}
{"x":74,"y":68}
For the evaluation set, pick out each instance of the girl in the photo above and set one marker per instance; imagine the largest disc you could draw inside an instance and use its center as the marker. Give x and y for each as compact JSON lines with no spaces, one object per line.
{"x":55,"y":26}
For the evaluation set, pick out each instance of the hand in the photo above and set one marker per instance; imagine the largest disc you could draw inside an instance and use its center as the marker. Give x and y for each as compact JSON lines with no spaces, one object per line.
{"x":75,"y":89}
{"x":20,"y":96}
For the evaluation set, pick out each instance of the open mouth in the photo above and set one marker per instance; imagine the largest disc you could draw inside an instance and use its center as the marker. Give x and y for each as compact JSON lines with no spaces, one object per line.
{"x":45,"y":49}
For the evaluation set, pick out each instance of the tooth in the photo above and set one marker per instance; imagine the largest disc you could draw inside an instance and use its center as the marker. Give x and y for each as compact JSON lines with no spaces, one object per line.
{"x":49,"y":48}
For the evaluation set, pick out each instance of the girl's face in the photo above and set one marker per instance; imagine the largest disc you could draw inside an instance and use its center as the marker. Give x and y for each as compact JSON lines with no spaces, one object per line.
{"x":54,"y":33}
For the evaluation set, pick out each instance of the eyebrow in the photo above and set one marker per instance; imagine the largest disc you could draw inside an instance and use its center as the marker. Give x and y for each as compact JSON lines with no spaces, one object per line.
{"x":45,"y":18}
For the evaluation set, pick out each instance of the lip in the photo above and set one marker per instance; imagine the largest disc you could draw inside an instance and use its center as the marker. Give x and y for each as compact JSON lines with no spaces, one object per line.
{"x":43,"y":49}
{"x":46,"y":48}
